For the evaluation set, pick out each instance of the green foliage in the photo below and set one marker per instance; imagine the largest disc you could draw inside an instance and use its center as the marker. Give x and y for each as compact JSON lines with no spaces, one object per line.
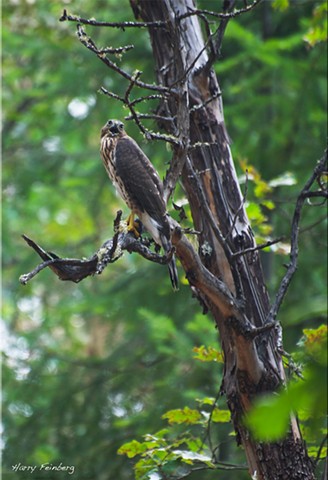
{"x":318,"y":30}
{"x":161,"y":452}
{"x":160,"y":455}
{"x":269,"y":419}
{"x":280,"y":4}
{"x":208,"y":354}
{"x":184,"y":415}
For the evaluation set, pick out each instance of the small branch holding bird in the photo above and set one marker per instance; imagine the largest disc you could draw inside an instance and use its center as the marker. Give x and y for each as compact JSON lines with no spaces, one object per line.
{"x":75,"y":270}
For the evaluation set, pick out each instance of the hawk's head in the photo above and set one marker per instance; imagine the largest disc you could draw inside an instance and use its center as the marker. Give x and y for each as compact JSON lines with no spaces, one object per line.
{"x":114,"y":128}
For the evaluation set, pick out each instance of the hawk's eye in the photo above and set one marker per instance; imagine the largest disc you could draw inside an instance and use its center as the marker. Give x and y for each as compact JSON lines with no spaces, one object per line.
{"x":109,"y":123}
{"x":120,"y":127}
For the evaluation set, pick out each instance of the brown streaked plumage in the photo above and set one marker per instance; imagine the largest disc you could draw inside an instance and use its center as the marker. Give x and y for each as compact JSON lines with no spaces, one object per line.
{"x":138,"y":183}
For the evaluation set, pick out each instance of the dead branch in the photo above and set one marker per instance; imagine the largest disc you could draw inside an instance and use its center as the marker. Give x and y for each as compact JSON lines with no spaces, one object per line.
{"x":90,"y":45}
{"x":292,"y":266}
{"x":204,"y":104}
{"x":261,"y":246}
{"x":233,"y":14}
{"x":215,"y":52}
{"x":148,"y":134}
{"x":76,"y":270}
{"x":122,"y":25}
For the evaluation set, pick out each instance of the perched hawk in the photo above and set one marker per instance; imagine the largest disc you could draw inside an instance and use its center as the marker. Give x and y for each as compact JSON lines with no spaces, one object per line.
{"x":138,"y":183}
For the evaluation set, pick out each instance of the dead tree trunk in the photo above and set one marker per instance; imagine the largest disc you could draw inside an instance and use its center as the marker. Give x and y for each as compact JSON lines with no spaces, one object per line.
{"x":205,"y":165}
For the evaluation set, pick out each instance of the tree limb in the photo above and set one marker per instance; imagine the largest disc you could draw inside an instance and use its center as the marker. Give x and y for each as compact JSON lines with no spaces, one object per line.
{"x":76,"y":270}
{"x":320,"y":168}
{"x":122,"y":25}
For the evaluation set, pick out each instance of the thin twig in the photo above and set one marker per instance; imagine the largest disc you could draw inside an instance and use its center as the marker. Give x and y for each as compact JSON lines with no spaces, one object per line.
{"x":122,"y":25}
{"x":150,"y":116}
{"x":117,"y":50}
{"x":90,"y":45}
{"x":233,"y":14}
{"x":204,"y":104}
{"x":208,"y":426}
{"x":155,"y":96}
{"x":259,"y":247}
{"x":111,"y":94}
{"x":317,"y":458}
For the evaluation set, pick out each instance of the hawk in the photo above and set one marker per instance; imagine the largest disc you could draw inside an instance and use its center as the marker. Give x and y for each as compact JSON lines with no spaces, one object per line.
{"x":139,"y":185}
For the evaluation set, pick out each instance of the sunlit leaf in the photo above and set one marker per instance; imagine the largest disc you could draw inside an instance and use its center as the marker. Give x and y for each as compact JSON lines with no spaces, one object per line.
{"x":190,"y":457}
{"x":183,"y":415}
{"x":208,"y":354}
{"x":285,"y":180}
{"x":313,"y":452}
{"x":131,"y":449}
{"x":318,"y":32}
{"x":280,"y":4}
{"x":220,"y":416}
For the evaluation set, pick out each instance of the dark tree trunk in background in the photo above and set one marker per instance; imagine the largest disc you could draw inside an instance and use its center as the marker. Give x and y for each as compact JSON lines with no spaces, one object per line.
{"x":252,"y":362}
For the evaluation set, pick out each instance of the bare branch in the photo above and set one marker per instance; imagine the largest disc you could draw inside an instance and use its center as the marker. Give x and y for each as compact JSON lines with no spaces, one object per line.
{"x":111,"y":94}
{"x":292,"y":266}
{"x":122,"y":25}
{"x":90,"y":45}
{"x":204,"y":104}
{"x":259,"y":247}
{"x":216,"y":45}
{"x":150,"y":116}
{"x":76,"y":270}
{"x":145,"y":98}
{"x":117,"y":50}
{"x":232,"y":14}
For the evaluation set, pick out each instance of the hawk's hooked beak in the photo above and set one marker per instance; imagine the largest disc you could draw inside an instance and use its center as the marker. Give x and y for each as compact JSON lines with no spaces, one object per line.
{"x":113,"y":127}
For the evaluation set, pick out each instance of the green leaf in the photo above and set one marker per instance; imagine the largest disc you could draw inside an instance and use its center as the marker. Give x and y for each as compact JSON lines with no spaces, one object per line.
{"x":286,"y":179}
{"x":131,"y":449}
{"x":184,"y":415}
{"x":313,"y":452}
{"x":144,"y":468}
{"x":206,"y":401}
{"x":190,"y":457}
{"x":318,"y":31}
{"x":269,"y":204}
{"x":254,"y":213}
{"x":208,"y":354}
{"x":221,"y":416}
{"x":280,"y":5}
{"x":269,"y":419}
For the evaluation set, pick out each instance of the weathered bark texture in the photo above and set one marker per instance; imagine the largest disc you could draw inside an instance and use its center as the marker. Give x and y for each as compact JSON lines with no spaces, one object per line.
{"x":252,"y":362}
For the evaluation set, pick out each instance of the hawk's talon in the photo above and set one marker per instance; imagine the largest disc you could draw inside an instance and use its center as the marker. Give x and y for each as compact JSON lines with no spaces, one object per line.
{"x":133,"y":226}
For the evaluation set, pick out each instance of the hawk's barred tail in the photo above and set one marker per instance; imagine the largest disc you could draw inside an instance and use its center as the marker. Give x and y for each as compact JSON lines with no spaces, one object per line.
{"x":166,"y":244}
{"x":173,"y":274}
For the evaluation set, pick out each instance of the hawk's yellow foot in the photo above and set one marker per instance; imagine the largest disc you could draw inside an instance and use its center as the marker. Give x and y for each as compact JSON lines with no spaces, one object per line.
{"x":132,"y":225}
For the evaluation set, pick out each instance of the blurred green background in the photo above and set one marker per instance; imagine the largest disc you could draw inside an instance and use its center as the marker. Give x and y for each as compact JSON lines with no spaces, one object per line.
{"x":88,"y":367}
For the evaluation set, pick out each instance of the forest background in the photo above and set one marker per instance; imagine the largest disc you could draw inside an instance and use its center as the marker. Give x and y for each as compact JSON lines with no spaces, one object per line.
{"x":91,"y":366}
